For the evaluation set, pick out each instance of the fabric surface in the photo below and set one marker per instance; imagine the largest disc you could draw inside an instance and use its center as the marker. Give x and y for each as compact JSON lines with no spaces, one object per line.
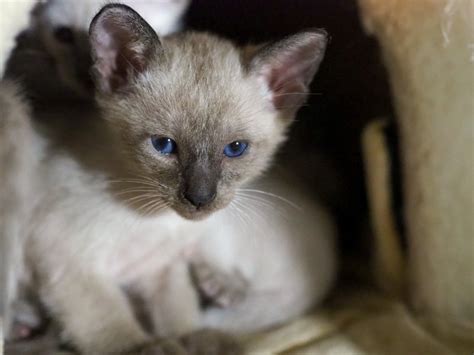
{"x":355,"y":322}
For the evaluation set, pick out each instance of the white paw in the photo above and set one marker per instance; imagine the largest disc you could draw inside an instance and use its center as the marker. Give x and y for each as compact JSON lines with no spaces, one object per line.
{"x":27,"y":321}
{"x":218,"y":287}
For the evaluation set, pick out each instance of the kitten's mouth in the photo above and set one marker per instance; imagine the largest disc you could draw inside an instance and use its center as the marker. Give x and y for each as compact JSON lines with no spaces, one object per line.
{"x":196,"y":213}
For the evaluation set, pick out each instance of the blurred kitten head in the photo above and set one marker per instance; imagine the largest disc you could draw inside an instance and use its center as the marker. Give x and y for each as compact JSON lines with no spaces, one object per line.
{"x":63,"y":27}
{"x":197,"y":116}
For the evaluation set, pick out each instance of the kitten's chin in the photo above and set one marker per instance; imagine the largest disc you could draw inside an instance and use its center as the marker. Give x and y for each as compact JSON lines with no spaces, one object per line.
{"x":198,"y":214}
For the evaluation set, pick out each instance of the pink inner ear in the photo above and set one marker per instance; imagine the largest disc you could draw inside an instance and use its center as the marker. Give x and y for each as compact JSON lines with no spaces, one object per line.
{"x":106,"y":52}
{"x":286,"y":86}
{"x":288,"y":74}
{"x":120,"y":50}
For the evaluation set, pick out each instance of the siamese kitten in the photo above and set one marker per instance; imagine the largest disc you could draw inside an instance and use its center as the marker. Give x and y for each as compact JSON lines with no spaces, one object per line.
{"x":151,"y":191}
{"x":58,"y":39}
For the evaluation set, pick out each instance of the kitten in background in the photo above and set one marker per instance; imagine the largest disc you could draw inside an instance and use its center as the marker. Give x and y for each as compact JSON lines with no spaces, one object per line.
{"x":57,"y":44}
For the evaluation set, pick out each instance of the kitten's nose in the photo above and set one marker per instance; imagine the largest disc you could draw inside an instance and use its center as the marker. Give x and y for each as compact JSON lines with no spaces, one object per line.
{"x":200,"y":197}
{"x":200,"y":183}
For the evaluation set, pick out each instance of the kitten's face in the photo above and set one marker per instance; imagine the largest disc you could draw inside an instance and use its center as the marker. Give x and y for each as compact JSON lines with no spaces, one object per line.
{"x":195,"y":116}
{"x":63,"y":28}
{"x":185,"y":113}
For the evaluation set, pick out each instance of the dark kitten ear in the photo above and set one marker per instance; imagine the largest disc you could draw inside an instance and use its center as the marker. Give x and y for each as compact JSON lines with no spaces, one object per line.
{"x":287,"y":67}
{"x":122,"y":45}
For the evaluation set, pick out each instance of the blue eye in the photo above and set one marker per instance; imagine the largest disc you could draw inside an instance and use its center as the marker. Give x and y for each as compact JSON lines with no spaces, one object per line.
{"x":235,"y":149}
{"x":164,"y":145}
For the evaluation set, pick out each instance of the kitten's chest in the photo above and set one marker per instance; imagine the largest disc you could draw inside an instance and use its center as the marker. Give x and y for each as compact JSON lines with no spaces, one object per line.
{"x":151,"y":248}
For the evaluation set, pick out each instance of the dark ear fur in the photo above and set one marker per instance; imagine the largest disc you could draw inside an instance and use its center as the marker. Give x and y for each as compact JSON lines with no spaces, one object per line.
{"x":287,"y":67}
{"x":122,"y":45}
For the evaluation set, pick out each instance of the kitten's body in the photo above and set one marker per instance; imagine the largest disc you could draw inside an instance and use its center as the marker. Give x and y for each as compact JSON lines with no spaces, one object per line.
{"x":88,"y":243}
{"x":83,"y":243}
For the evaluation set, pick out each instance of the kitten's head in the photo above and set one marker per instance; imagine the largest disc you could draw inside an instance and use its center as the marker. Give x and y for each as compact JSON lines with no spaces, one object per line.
{"x":63,"y":27}
{"x":196,"y":115}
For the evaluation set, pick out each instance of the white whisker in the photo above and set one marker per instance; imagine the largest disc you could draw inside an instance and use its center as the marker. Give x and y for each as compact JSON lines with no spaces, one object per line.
{"x":272,"y":195}
{"x":132,"y":190}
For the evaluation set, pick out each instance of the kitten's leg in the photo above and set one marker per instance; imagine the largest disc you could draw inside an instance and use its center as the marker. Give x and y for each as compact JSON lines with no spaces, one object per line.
{"x":174,"y":301}
{"x":95,"y":314}
{"x":217,"y":287}
{"x":16,"y":164}
{"x":176,"y":312}
{"x":269,"y":299}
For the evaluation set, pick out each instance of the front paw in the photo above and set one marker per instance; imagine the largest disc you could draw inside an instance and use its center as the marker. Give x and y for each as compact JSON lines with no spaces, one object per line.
{"x":217,"y":287}
{"x":27,"y":321}
{"x":210,"y":342}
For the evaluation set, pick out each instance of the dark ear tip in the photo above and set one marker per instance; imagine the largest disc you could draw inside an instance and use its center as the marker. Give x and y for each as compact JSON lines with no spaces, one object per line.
{"x":321,"y":34}
{"x":112,"y":8}
{"x":320,"y":31}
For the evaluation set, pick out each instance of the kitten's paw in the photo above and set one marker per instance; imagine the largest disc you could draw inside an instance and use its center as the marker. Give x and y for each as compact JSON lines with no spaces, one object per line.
{"x":163,"y":347}
{"x":217,"y":287}
{"x":27,"y":321}
{"x":20,"y":331}
{"x":210,"y":342}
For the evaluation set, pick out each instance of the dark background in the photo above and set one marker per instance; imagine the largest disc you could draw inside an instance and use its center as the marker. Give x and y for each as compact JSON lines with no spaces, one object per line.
{"x":350,"y":90}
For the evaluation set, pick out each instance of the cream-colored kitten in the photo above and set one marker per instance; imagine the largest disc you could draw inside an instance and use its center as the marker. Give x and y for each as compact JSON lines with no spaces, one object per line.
{"x":63,"y":25}
{"x":158,"y":179}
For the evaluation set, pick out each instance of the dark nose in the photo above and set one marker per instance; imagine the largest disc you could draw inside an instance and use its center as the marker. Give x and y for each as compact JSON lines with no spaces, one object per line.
{"x":200,"y":198}
{"x":200,"y":183}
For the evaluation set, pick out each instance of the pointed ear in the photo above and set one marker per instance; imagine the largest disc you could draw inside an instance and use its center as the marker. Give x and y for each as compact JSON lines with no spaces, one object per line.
{"x":122,"y":45}
{"x":286,"y":68}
